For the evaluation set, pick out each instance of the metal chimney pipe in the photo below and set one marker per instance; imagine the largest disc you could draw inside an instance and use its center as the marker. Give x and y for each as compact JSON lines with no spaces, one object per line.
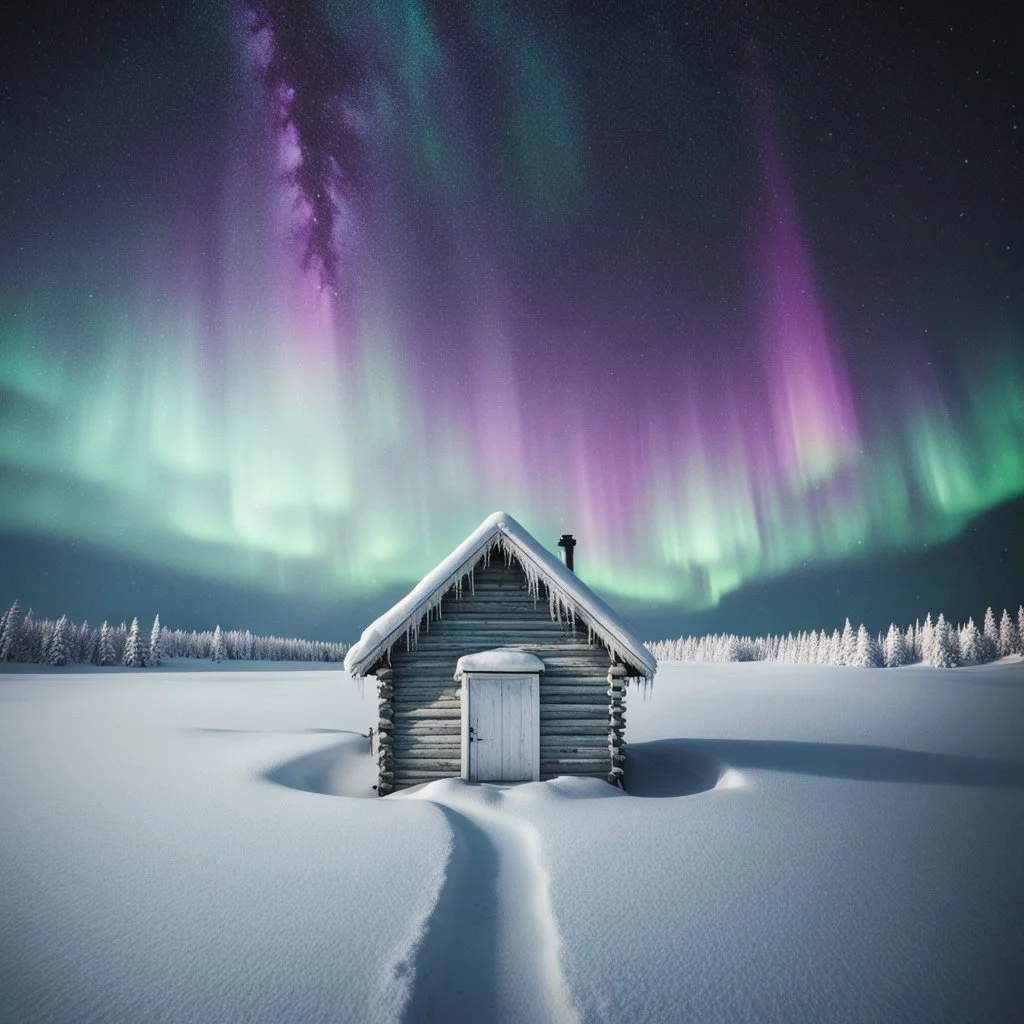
{"x":567,"y":542}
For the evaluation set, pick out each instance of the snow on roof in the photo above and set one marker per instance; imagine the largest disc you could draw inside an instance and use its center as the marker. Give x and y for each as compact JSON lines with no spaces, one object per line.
{"x":568,"y":597}
{"x":501,"y":659}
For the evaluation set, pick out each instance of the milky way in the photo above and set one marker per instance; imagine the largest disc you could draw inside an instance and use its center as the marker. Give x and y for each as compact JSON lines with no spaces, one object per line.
{"x":312,"y":79}
{"x":403,"y":302}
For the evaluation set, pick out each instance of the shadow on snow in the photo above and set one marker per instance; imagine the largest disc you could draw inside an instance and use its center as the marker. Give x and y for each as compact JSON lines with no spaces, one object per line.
{"x":342,"y":769}
{"x":683,"y":767}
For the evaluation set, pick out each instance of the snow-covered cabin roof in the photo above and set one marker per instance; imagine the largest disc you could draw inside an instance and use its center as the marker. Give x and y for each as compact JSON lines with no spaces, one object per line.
{"x":568,"y":597}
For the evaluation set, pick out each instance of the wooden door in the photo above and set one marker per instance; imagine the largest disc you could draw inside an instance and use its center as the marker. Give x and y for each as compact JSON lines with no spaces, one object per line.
{"x":503,"y":728}
{"x":485,"y":728}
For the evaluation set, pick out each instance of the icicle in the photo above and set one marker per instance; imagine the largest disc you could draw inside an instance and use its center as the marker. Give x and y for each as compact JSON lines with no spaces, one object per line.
{"x":532,"y":580}
{"x":472,"y":580}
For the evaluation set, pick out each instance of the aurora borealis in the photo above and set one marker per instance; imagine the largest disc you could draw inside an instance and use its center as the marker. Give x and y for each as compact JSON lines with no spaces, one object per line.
{"x":296,"y":293}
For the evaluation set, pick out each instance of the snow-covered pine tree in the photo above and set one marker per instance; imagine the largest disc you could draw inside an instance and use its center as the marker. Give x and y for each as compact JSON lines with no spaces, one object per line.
{"x":990,"y":632}
{"x":105,"y":647}
{"x":887,"y":646}
{"x":729,"y":649}
{"x":824,"y":648}
{"x":946,"y":646}
{"x":971,"y":644}
{"x":133,"y":654}
{"x":12,"y":644}
{"x":910,"y":643}
{"x":86,"y":643}
{"x":812,"y":647}
{"x":119,"y":637}
{"x":42,"y":648}
{"x":1020,"y":629}
{"x":782,"y":654}
{"x":927,"y":635}
{"x":58,"y":652}
{"x":156,"y":643}
{"x":834,"y":649}
{"x":31,"y":642}
{"x":847,"y":644}
{"x":78,"y":638}
{"x":792,"y":649}
{"x":218,"y":652}
{"x":895,"y":648}
{"x":1008,"y":640}
{"x":72,"y":642}
{"x":877,"y":655}
{"x":864,"y":653}
{"x":907,"y":645}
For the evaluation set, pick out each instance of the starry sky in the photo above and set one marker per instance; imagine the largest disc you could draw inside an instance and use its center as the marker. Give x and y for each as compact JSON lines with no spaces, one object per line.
{"x":296,"y":292}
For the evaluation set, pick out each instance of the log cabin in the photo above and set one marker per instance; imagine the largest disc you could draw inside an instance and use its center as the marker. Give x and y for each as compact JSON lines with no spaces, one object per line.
{"x":501,"y":665}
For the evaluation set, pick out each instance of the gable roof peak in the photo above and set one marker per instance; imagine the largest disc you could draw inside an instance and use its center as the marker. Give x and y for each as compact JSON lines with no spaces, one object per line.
{"x":568,"y":597}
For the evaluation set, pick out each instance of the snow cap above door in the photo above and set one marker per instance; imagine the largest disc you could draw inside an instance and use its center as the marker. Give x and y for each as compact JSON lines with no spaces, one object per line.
{"x":501,"y":659}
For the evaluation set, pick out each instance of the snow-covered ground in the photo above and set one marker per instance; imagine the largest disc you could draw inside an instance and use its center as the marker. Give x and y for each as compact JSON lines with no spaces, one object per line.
{"x":798,"y":844}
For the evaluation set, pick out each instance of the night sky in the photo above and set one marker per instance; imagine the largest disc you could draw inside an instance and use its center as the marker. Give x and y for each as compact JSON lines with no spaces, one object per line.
{"x":294,"y":294}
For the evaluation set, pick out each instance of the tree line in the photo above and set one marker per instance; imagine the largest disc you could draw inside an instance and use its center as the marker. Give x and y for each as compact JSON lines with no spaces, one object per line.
{"x":24,"y":638}
{"x":937,"y":643}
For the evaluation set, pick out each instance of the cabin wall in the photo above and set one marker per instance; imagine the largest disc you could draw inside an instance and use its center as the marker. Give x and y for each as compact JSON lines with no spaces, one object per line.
{"x":425,"y":700}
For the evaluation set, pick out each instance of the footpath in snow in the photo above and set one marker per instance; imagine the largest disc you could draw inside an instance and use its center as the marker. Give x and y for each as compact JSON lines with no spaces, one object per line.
{"x":490,"y":950}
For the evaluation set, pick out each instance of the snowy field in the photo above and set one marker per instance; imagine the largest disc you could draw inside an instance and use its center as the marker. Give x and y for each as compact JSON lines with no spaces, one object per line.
{"x":798,"y":844}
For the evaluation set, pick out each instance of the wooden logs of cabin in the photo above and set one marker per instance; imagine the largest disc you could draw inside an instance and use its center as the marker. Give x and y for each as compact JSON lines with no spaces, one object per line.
{"x":385,"y":732}
{"x":617,"y":723}
{"x":498,"y":611}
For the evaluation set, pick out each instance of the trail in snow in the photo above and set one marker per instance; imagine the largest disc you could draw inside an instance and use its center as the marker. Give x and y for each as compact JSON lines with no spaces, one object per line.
{"x":491,"y":949}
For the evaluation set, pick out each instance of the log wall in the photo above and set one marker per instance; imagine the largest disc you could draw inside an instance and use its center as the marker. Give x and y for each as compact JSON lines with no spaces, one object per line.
{"x":421,"y":702}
